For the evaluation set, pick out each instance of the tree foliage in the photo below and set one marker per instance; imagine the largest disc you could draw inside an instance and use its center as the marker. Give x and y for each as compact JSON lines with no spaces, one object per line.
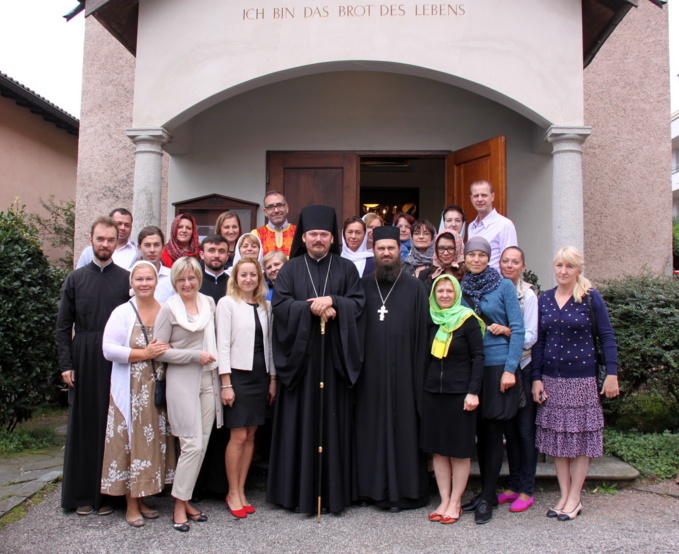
{"x":644,"y":312}
{"x":58,"y":227}
{"x":29,"y":295}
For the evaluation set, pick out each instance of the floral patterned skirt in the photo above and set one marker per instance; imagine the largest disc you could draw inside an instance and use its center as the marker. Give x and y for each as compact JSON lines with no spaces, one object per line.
{"x":141,"y":461}
{"x":570,"y":422}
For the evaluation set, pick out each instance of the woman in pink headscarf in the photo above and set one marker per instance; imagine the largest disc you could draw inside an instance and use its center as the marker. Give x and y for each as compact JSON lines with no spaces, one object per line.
{"x":448,"y":258}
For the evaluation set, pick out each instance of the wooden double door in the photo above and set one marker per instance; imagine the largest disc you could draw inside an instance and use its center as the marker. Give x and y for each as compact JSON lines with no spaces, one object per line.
{"x":333,"y":178}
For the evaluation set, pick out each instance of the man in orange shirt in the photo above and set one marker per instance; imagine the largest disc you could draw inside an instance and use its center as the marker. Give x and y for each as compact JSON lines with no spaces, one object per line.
{"x":278,"y":233}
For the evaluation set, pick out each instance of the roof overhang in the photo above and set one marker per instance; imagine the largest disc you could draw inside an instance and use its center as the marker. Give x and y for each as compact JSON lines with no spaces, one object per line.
{"x":26,"y":98}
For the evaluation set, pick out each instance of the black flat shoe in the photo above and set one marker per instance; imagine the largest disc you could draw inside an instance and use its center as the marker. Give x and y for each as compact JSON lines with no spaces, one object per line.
{"x":563,"y":516}
{"x":471,"y":505}
{"x":199,"y":517}
{"x":552,"y":512}
{"x":181,"y":527}
{"x":483,"y":513}
{"x":394,"y":509}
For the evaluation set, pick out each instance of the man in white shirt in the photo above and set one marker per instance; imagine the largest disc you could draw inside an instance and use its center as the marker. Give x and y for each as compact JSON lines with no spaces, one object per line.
{"x":498,"y":230}
{"x":151,"y":242}
{"x":126,"y":250}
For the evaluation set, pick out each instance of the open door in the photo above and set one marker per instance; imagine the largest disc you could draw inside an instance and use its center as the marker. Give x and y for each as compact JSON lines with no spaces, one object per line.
{"x":308,"y":178}
{"x":485,"y":160}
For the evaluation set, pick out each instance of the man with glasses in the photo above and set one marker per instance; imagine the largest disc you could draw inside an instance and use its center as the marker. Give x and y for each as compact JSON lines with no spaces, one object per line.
{"x":278,"y":233}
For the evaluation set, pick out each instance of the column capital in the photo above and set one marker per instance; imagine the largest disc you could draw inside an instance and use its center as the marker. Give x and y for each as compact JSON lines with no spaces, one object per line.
{"x":566,"y":137}
{"x":149,"y":136}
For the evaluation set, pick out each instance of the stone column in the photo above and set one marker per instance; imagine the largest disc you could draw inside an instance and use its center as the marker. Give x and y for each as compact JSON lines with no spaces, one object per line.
{"x":567,"y":204}
{"x":147,"y":175}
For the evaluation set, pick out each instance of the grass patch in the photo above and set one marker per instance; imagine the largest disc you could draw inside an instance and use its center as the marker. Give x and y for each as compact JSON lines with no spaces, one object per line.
{"x":653,"y":454}
{"x":21,"y":510}
{"x":25,"y":439}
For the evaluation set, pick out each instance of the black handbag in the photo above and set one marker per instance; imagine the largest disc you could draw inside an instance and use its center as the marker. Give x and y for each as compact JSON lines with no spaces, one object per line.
{"x":159,"y":394}
{"x":600,"y":357}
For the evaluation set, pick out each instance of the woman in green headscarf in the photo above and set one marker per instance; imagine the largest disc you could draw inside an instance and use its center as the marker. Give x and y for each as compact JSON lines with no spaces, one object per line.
{"x":451,"y":393}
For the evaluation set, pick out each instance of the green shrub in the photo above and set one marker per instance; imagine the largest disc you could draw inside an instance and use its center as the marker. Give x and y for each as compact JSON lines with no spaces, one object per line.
{"x":29,"y":294}
{"x":644,"y":312}
{"x":652,"y":454}
{"x":648,"y":411}
{"x":20,"y":439}
{"x":58,"y":227}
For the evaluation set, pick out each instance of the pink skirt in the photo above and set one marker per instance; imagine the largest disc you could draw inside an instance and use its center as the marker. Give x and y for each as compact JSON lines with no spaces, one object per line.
{"x":570,"y":423}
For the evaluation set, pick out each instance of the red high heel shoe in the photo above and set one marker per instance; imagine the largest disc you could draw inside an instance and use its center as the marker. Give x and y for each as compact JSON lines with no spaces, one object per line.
{"x":249,"y":509}
{"x":236,"y":513}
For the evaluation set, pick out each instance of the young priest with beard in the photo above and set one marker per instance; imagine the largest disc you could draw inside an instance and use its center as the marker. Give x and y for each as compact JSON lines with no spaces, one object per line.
{"x":390,"y":468}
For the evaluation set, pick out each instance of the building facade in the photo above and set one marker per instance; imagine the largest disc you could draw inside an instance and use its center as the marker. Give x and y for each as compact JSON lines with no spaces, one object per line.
{"x":387,"y":105}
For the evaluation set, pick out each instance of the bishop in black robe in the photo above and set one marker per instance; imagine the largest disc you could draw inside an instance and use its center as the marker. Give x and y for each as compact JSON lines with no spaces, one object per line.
{"x":391,"y":470}
{"x":88,"y":296}
{"x":293,"y":462}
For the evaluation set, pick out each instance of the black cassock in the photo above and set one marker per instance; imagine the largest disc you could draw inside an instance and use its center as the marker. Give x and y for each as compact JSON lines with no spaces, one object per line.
{"x":296,"y":346}
{"x":390,"y":468}
{"x":88,"y":296}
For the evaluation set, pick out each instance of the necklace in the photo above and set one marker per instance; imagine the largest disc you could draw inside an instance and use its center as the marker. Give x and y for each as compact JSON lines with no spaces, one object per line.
{"x":383,"y":310}
{"x":327,"y":274}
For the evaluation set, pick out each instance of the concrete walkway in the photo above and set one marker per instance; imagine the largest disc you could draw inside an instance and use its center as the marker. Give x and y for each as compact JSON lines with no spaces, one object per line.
{"x":24,"y":475}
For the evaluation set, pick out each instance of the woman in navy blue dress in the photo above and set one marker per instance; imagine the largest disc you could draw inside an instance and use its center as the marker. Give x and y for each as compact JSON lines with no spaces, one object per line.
{"x":570,"y":420}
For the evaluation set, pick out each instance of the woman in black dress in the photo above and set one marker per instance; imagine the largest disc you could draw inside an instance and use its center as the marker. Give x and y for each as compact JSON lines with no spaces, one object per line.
{"x":451,"y":393}
{"x":246,"y":370}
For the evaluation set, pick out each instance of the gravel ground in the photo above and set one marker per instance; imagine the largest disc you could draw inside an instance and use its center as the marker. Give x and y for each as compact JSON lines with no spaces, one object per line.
{"x":631,"y":521}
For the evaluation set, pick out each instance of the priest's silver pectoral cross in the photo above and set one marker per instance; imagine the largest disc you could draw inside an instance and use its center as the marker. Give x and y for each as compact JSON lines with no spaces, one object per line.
{"x":382,"y":311}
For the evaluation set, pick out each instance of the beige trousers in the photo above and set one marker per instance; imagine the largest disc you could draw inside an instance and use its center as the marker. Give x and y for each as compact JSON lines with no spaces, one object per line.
{"x":193,"y":448}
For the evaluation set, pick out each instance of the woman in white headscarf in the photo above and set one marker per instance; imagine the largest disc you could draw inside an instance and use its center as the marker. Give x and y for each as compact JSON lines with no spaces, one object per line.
{"x":355,"y":245}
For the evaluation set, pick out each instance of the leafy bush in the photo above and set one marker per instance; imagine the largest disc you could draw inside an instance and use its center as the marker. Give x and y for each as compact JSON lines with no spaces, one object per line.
{"x":58,"y":227}
{"x":644,"y":312}
{"x":652,"y":454}
{"x":531,"y":278}
{"x":648,"y":411}
{"x":20,"y":439}
{"x":29,"y":294}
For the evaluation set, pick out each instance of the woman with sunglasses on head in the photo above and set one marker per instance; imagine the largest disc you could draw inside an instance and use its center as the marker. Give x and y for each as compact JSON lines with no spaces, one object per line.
{"x":448,"y":259}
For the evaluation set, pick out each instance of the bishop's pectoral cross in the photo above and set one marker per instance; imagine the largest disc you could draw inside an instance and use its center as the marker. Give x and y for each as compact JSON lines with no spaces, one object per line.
{"x":382,"y":311}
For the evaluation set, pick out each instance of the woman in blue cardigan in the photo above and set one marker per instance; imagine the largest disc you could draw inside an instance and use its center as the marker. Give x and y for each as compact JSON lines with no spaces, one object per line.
{"x":570,"y":420}
{"x":494,"y":300}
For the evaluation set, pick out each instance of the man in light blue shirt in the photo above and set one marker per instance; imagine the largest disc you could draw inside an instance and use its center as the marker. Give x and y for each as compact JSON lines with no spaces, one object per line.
{"x":126,"y":252}
{"x":498,"y":230}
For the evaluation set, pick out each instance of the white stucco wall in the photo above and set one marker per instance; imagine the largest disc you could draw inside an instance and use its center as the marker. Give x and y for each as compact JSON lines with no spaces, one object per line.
{"x":225,"y":146}
{"x":525,"y":54}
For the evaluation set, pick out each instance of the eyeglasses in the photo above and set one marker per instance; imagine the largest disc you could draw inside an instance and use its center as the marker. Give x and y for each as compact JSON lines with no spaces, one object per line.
{"x":446,"y":249}
{"x":278,"y":205}
{"x":190,"y":279}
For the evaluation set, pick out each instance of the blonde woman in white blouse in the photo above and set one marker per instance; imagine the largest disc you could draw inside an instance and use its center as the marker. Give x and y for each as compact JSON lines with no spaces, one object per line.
{"x":248,"y":377}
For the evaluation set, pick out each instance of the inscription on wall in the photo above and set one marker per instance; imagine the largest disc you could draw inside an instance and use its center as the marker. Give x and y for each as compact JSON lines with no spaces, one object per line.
{"x":348,"y":11}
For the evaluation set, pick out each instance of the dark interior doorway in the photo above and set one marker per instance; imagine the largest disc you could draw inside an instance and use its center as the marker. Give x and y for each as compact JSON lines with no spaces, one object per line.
{"x":393,"y":183}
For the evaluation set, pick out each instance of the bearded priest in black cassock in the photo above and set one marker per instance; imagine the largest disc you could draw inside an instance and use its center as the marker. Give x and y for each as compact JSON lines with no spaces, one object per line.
{"x":88,"y":296}
{"x":391,"y":471}
{"x":315,"y":283}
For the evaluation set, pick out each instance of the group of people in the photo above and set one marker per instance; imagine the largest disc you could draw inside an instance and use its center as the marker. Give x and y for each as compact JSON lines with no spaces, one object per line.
{"x":378,"y":350}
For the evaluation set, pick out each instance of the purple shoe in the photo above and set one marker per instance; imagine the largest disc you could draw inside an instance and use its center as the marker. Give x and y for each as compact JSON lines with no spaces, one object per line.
{"x":503,"y":498}
{"x":521,"y":505}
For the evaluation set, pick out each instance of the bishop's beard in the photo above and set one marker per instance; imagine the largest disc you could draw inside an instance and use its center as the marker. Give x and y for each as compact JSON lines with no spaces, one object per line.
{"x":387,"y":271}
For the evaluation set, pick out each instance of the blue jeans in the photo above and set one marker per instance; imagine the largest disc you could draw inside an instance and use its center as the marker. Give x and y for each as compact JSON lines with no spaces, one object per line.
{"x":522,"y":455}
